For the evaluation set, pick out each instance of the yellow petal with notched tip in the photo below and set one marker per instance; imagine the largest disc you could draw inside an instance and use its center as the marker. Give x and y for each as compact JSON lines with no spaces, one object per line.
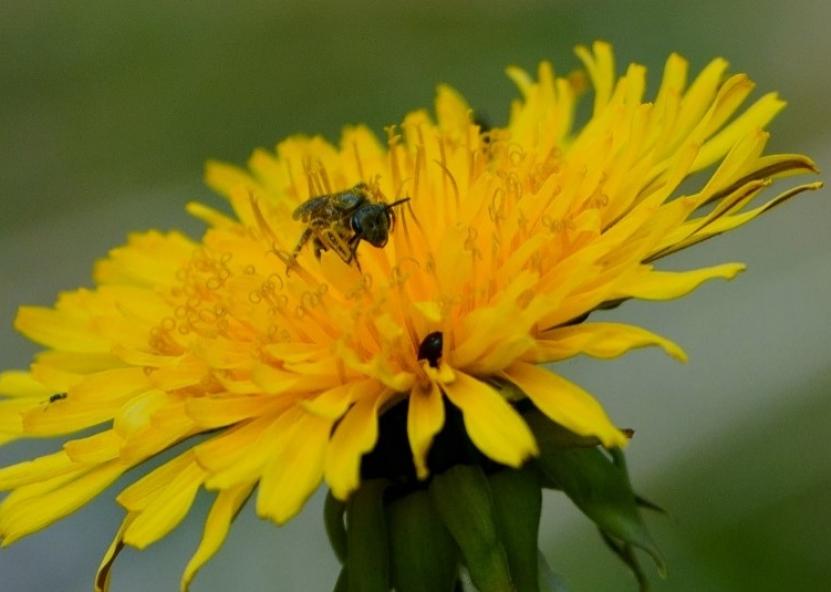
{"x":295,"y":468}
{"x":665,"y":285}
{"x":21,"y":519}
{"x":58,"y":330}
{"x":102,"y":576}
{"x":425,"y":418}
{"x":599,"y":340}
{"x":355,"y":435}
{"x":492,"y":424}
{"x":166,"y":508}
{"x":17,"y":383}
{"x":32,"y":471}
{"x":565,"y":402}
{"x":217,"y":525}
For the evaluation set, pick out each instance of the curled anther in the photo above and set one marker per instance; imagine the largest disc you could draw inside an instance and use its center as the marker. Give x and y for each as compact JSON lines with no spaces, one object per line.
{"x":309,"y":300}
{"x":275,"y":278}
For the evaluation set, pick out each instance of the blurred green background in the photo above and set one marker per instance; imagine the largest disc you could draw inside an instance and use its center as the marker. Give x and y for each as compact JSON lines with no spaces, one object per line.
{"x":109,"y":109}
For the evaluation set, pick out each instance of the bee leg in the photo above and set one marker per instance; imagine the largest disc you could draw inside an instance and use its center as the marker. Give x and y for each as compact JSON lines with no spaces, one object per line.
{"x":304,"y":238}
{"x":353,"y":250}
{"x":319,"y":248}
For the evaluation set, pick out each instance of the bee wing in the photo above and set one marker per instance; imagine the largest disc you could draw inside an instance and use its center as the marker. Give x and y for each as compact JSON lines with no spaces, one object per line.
{"x":348,"y":200}
{"x":308,"y":208}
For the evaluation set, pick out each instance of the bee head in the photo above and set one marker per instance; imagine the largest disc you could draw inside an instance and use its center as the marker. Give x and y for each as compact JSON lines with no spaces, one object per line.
{"x":373,"y":221}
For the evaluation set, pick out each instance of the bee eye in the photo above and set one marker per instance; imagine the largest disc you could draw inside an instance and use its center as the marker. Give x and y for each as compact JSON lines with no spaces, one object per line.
{"x":356,"y":224}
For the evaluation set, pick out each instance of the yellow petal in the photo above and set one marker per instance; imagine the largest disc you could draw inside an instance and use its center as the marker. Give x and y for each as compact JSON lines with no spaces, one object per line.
{"x":756,"y":117}
{"x":295,"y":469}
{"x":12,"y":411}
{"x":18,"y":383}
{"x":217,"y":411}
{"x":665,"y":285}
{"x":600,"y":64}
{"x":138,"y":496}
{"x":223,"y":450}
{"x":565,"y":402}
{"x":223,"y":511}
{"x":274,"y":381}
{"x":491,"y":422}
{"x":148,"y":259}
{"x":208,"y":215}
{"x":109,"y":386}
{"x":58,"y":330}
{"x":355,"y":435}
{"x":333,"y":402}
{"x":137,"y":412}
{"x":261,"y":444}
{"x":76,"y":412}
{"x":727,"y":223}
{"x":452,"y":111}
{"x":167,"y":508}
{"x":430,"y":310}
{"x":21,"y":519}
{"x":699,"y":97}
{"x":94,"y":449}
{"x":102,"y":576}
{"x":599,"y":340}
{"x":425,"y":418}
{"x":225,"y":178}
{"x":39,"y":469}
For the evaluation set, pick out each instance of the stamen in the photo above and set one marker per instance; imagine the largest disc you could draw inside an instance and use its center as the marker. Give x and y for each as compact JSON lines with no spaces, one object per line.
{"x":358,"y":161}
{"x":449,"y":175}
{"x":292,"y":182}
{"x":393,"y":140}
{"x":311,"y":178}
{"x":324,"y":177}
{"x":261,"y":221}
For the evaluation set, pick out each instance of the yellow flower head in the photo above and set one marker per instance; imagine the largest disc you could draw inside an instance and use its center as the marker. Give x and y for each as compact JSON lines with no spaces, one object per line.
{"x":511,"y":237}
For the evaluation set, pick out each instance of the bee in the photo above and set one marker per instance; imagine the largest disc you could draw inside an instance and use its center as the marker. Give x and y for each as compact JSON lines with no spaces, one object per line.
{"x":340,"y":221}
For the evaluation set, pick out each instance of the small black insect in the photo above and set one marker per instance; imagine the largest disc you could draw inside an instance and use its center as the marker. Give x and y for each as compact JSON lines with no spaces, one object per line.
{"x":57,"y":397}
{"x":340,"y":221}
{"x":431,"y":347}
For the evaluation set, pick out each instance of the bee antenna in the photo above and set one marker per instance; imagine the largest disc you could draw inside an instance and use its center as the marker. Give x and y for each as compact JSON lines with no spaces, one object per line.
{"x":397,"y":203}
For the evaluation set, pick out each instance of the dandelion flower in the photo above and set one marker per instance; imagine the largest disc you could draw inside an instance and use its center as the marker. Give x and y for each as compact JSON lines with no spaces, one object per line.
{"x":276,"y":370}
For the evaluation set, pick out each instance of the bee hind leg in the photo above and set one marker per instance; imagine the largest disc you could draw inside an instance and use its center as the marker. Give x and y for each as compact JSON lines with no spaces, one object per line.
{"x":304,"y":238}
{"x":353,"y":250}
{"x":319,"y":248}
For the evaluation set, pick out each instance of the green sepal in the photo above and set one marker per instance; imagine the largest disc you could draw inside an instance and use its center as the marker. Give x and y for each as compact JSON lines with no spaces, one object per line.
{"x":333,"y":512}
{"x":598,"y":483}
{"x":626,"y":553}
{"x":649,"y":505}
{"x":367,"y":557}
{"x":552,"y":436}
{"x":549,"y":581}
{"x":424,"y":556}
{"x":517,"y":501}
{"x":462,"y":497}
